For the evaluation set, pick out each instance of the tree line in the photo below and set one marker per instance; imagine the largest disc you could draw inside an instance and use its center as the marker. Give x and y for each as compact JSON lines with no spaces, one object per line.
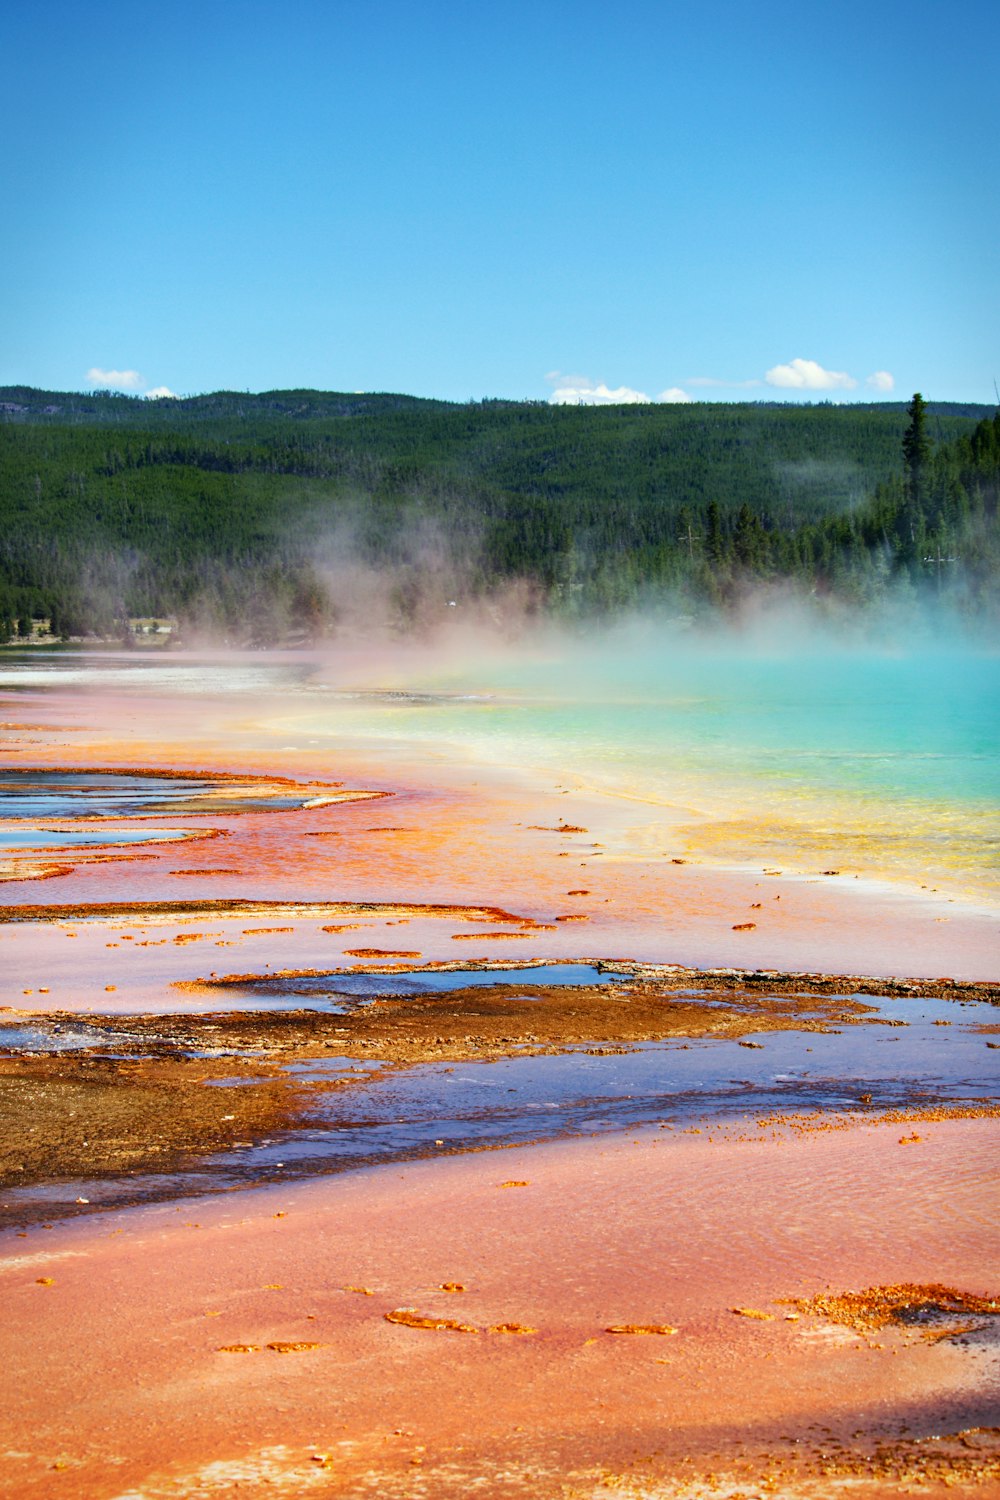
{"x":252,"y":517}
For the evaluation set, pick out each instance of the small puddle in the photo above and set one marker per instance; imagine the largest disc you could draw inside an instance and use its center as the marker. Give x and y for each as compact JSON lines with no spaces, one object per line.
{"x":60,"y":838}
{"x":41,"y":1035}
{"x":97,"y":794}
{"x":338,"y":993}
{"x":60,"y":1036}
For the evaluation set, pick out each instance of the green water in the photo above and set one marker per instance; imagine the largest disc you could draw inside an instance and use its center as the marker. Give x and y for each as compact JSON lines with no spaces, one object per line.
{"x":883,"y":762}
{"x":886,"y":763}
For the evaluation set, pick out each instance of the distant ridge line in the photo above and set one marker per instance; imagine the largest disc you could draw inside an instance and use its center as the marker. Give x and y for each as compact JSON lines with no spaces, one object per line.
{"x":25,"y":403}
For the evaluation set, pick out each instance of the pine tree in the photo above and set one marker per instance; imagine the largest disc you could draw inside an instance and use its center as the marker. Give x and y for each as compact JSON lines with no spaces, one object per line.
{"x":714,"y":543}
{"x":916,"y":448}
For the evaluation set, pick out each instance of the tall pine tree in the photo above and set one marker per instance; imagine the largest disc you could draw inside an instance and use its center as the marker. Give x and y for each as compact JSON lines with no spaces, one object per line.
{"x":916,"y":461}
{"x":916,"y":448}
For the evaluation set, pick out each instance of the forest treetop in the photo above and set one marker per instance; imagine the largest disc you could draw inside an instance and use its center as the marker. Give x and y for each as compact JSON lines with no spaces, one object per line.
{"x":253,"y":517}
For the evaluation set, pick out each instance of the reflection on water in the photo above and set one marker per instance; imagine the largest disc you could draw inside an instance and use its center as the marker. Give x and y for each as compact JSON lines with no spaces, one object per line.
{"x":76,"y":838}
{"x":905,"y":1053}
{"x":902,"y":1055}
{"x":339,"y":993}
{"x":54,"y":1036}
{"x":90,"y":670}
{"x":104,"y":794}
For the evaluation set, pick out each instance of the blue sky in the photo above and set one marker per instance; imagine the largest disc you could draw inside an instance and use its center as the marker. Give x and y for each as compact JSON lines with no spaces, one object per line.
{"x":733,"y":201}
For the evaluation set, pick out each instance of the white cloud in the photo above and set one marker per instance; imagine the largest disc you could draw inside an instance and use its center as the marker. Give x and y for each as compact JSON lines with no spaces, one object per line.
{"x":807,"y":375}
{"x":159,"y":392}
{"x":880,"y":380}
{"x":579,"y":390}
{"x":119,"y":380}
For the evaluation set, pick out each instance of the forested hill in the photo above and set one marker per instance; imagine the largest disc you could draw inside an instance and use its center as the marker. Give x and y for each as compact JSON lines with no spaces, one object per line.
{"x":264,"y":517}
{"x":114,"y":408}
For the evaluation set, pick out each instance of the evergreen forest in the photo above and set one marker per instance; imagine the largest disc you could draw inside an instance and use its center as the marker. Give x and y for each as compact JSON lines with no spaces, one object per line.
{"x":292,"y":515}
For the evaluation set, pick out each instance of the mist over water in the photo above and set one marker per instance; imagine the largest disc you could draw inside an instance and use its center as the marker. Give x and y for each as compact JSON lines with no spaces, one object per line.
{"x":798,"y":745}
{"x":778,"y":743}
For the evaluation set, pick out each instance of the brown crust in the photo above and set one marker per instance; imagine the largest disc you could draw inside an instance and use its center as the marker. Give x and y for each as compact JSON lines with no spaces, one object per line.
{"x":238,"y":907}
{"x":901,"y":1304}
